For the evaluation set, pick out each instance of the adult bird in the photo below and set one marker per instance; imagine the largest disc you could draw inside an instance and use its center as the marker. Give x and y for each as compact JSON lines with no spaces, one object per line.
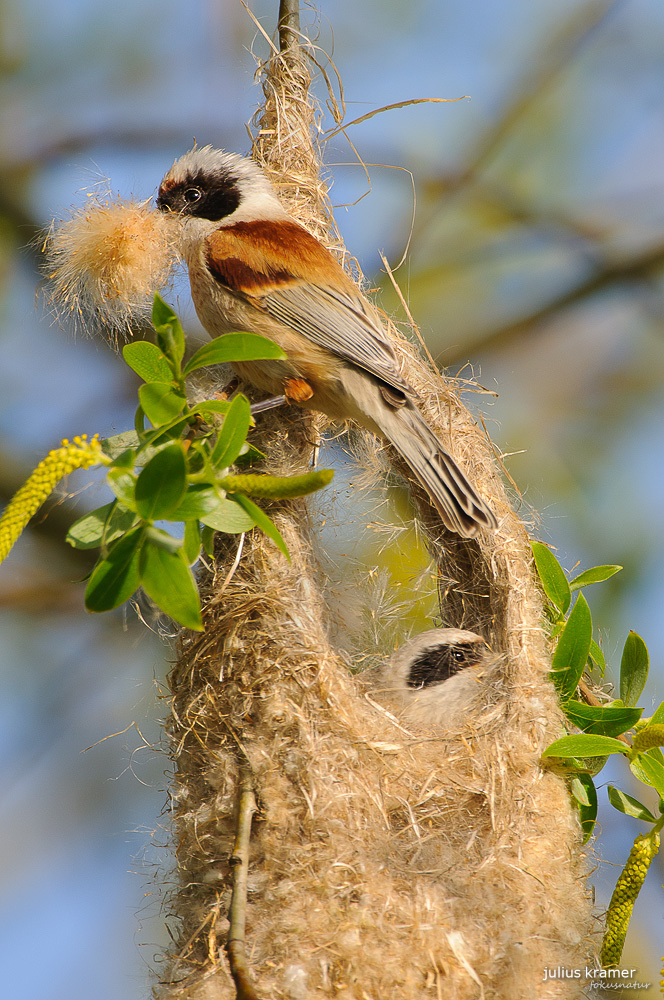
{"x":253,"y":268}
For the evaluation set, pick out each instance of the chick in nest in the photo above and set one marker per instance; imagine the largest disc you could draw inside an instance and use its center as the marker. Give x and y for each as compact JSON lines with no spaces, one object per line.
{"x":434,"y":679}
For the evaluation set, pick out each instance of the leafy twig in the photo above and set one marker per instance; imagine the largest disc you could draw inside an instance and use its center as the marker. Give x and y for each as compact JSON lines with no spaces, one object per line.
{"x":176,"y":470}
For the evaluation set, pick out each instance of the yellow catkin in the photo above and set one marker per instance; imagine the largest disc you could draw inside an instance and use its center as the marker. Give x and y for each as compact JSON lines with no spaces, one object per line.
{"x":281,"y":487}
{"x":624,"y":896}
{"x":661,"y":982}
{"x":80,"y":453}
{"x":651,"y":736}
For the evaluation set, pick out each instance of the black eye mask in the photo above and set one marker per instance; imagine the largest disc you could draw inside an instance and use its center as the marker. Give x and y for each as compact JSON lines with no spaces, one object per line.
{"x":439,"y":663}
{"x":215,"y":202}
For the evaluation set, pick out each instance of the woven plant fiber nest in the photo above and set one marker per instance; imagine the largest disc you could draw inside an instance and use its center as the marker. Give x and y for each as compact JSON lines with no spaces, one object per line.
{"x":383,"y":863}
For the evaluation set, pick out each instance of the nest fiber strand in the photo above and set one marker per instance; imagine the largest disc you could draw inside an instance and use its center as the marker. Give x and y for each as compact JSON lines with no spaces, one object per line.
{"x":382,"y":865}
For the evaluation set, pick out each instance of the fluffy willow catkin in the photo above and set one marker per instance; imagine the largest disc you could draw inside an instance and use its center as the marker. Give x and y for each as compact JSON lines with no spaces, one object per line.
{"x":105,"y":261}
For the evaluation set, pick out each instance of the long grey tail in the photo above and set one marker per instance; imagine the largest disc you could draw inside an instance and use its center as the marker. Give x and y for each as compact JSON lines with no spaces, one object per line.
{"x":460,"y":508}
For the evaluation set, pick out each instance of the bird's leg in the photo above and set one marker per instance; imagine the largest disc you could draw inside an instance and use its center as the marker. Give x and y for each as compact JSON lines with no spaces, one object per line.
{"x":262,"y":407}
{"x":268,"y":404}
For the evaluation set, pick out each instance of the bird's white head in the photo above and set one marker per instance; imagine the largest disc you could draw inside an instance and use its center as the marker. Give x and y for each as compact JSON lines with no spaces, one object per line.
{"x":433,"y":679}
{"x":208,"y":188}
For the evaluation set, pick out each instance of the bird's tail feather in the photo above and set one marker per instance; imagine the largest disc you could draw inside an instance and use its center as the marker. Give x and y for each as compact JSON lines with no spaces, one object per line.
{"x":457,"y":502}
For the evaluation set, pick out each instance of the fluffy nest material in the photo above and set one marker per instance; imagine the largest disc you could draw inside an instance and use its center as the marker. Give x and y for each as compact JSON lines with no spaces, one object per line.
{"x":382,"y":864}
{"x":104,"y":261}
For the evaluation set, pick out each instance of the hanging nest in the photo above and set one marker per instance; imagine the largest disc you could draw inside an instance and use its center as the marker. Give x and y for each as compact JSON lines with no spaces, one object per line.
{"x":382,"y":863}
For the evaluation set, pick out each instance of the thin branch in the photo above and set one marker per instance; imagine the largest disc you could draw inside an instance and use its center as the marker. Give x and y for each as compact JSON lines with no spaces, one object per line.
{"x":289,"y":24}
{"x":554,"y":220}
{"x":639,"y":269}
{"x":239,"y":860}
{"x":552,"y":62}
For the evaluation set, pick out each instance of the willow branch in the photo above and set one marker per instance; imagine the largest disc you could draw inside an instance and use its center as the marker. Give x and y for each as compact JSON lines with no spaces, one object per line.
{"x":289,"y":24}
{"x":552,"y":61}
{"x":239,"y":861}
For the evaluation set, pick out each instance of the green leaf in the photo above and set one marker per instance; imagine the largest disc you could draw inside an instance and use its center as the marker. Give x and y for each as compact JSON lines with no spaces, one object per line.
{"x":649,"y":771}
{"x":278,"y":487}
{"x":123,"y":484}
{"x":261,"y":520}
{"x":656,"y":754}
{"x":211,"y":406}
{"x":86,"y":533}
{"x":568,"y":767}
{"x":228,"y":517}
{"x":579,"y":790}
{"x":104,"y":524}
{"x":552,"y":576}
{"x":249,"y":454}
{"x":585,"y":745}
{"x":233,"y":433}
{"x":571,"y":653}
{"x":658,"y":717}
{"x":597,"y":656}
{"x":595,"y":575}
{"x":162,"y":539}
{"x":628,"y":805}
{"x":139,"y":421}
{"x":125,"y":460}
{"x":198,"y":501}
{"x":165,"y":432}
{"x":115,"y":578}
{"x":162,"y":483}
{"x":234,"y":347}
{"x":167,"y":579}
{"x":161,"y":402}
{"x":170,"y":335}
{"x":606,"y":720}
{"x":147,"y":361}
{"x":192,"y":541}
{"x":207,"y":539}
{"x":633,"y":669}
{"x":584,"y":792}
{"x":198,"y":456}
{"x":117,"y":444}
{"x":162,"y":314}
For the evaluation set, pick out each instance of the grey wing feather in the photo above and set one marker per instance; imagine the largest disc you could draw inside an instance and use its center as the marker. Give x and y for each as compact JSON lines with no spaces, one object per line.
{"x":341,"y":324}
